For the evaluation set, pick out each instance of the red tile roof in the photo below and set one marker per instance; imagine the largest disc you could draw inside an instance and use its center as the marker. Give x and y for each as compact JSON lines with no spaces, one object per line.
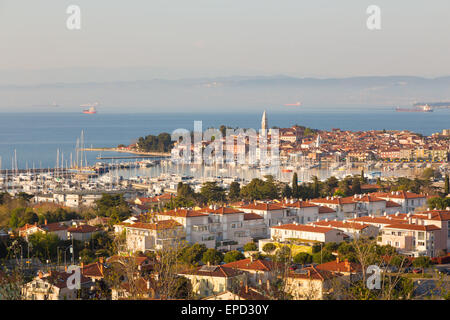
{"x":263,"y":206}
{"x":213,"y":271}
{"x":221,"y":210}
{"x":252,"y":216}
{"x":182,"y":213}
{"x":249,"y":264}
{"x":84,"y":228}
{"x":304,"y":228}
{"x":160,"y":225}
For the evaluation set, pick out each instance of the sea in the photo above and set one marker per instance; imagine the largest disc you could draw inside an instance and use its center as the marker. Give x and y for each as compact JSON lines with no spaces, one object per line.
{"x":36,"y":137}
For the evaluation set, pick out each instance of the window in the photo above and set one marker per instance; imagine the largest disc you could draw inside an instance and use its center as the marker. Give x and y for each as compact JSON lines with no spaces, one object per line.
{"x":397,"y":244}
{"x":421,"y":235}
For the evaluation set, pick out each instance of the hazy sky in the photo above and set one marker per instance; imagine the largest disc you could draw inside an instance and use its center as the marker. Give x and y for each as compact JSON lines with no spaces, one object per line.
{"x":192,"y":38}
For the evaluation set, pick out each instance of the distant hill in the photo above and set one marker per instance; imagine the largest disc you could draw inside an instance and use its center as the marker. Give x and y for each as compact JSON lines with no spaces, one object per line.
{"x":233,"y":93}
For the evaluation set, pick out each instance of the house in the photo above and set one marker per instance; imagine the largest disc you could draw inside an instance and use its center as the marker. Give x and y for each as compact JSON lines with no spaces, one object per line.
{"x":95,"y":271}
{"x":54,"y":285}
{"x":350,"y":271}
{"x":195,"y":224}
{"x":82,"y":232}
{"x":227,"y":224}
{"x":163,"y":234}
{"x":271,"y":212}
{"x":256,"y":226}
{"x":57,"y":228}
{"x":245,"y":293}
{"x":302,"y":211}
{"x":310,"y":283}
{"x":138,"y":289}
{"x":212,"y":280}
{"x":257,"y":271}
{"x":344,"y":207}
{"x":306,"y":233}
{"x":408,"y":200}
{"x":412,"y":239}
{"x":351,"y":229}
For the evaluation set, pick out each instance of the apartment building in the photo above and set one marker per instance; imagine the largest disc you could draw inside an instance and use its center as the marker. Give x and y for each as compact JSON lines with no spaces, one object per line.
{"x":344,"y":207}
{"x":53,"y":286}
{"x":351,"y":229}
{"x":196,"y":225}
{"x":160,"y":235}
{"x":212,"y":280}
{"x":412,"y":239}
{"x":307,"y":233}
{"x":271,"y":212}
{"x":228,"y":226}
{"x":409,"y":201}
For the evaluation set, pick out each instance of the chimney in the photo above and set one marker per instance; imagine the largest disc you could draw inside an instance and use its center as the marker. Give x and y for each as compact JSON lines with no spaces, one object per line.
{"x":100,"y":259}
{"x":82,"y":264}
{"x":45,"y":221}
{"x":40,"y":274}
{"x":246,"y":288}
{"x":337,"y":260}
{"x":429,"y":215}
{"x":347,"y":265}
{"x":148,"y":284}
{"x":309,"y":273}
{"x":268,"y":284}
{"x":65,"y":268}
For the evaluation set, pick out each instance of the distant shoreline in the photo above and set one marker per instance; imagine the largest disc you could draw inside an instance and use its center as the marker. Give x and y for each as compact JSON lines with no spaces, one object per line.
{"x":139,"y":153}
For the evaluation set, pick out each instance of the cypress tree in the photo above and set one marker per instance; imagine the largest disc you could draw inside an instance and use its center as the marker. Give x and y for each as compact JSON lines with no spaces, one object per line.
{"x":447,"y":186}
{"x":295,"y":191}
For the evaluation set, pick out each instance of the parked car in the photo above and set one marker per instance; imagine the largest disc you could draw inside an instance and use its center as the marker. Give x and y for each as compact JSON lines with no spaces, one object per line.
{"x":417,"y":270}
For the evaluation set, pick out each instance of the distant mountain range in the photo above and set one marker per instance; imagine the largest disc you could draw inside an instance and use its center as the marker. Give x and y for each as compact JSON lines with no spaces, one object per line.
{"x":233,"y":93}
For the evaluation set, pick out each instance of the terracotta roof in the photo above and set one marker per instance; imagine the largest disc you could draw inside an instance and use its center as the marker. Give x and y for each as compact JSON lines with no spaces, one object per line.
{"x":299,"y":204}
{"x":221,"y":210}
{"x":59,"y":279}
{"x":333,"y":200}
{"x":398,"y":195}
{"x":84,"y":228}
{"x":379,"y":220}
{"x":252,"y":216}
{"x":341,"y":224}
{"x":182,"y":213}
{"x":263,"y":206}
{"x":340,"y":266}
{"x":303,"y":227}
{"x":392,"y":204}
{"x":93,"y":270}
{"x":407,"y":226}
{"x":160,"y":225}
{"x":214,"y":271}
{"x":324,"y":209}
{"x":313,"y":273}
{"x":57,"y":226}
{"x":439,"y":215}
{"x":248,"y":264}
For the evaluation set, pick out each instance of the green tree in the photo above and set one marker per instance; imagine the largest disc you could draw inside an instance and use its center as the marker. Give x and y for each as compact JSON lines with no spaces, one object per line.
{"x":193,"y":254}
{"x":212,"y":256}
{"x":422,"y":262}
{"x":235,"y":191}
{"x":356,"y":185}
{"x":446,"y":185}
{"x":295,"y":189}
{"x":269,"y":247}
{"x":232,"y":256}
{"x":323,"y":256}
{"x":251,"y":246}
{"x":212,"y":192}
{"x":302,"y":258}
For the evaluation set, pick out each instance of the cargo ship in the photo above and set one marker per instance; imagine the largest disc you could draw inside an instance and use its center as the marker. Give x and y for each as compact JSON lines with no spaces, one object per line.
{"x":91,"y":110}
{"x":420,"y":108}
